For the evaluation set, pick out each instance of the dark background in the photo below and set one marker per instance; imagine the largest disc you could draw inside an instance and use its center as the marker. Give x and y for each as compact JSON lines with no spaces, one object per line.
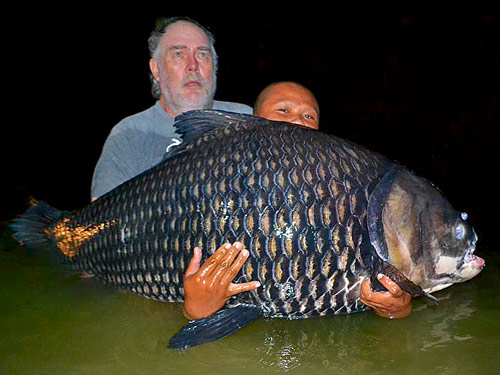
{"x":424,"y":91}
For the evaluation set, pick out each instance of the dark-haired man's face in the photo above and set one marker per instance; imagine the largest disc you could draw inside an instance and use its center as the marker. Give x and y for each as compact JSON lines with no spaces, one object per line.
{"x":290,"y":103}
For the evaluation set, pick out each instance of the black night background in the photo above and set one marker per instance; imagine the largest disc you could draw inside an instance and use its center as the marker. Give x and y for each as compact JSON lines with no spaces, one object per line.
{"x":424,"y":91}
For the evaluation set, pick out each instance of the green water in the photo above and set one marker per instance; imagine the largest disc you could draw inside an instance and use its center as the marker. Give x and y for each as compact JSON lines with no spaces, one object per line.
{"x":57,"y":323}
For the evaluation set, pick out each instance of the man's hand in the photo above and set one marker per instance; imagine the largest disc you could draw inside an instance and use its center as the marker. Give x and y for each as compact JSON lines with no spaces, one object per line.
{"x":394,"y":304}
{"x":207,"y":288}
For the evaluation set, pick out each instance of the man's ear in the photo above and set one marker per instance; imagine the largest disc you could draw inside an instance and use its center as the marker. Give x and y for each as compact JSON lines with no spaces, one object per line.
{"x":155,"y":70}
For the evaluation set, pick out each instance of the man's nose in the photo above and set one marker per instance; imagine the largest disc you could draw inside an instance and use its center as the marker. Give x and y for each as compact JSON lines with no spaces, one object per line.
{"x":192,"y":63}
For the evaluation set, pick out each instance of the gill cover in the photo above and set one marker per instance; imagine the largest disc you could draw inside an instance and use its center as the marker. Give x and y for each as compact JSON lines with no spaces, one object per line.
{"x":393,"y":230}
{"x":376,"y":204}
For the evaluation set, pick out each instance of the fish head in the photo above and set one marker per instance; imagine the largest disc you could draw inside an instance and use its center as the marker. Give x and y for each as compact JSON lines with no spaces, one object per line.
{"x":449,"y":241}
{"x":427,"y":240}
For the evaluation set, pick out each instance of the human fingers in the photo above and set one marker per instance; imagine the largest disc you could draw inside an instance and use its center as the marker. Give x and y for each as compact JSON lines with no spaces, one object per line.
{"x":211,"y":263}
{"x":386,"y":304}
{"x":375,"y":300}
{"x":235,"y":267}
{"x":365,"y":292}
{"x":194,"y":263}
{"x":225,"y":263}
{"x":243,"y":287}
{"x":393,"y":288}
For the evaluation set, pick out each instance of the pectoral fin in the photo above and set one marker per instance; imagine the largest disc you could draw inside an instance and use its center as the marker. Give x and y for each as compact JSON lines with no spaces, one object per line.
{"x":214,"y":327}
{"x":400,"y":279}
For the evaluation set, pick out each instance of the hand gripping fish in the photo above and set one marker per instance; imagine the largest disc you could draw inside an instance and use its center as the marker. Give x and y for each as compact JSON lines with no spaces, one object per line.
{"x":317,"y":213}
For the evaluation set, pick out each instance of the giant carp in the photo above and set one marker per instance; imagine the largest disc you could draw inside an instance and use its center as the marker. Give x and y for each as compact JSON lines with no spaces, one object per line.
{"x":317,"y":213}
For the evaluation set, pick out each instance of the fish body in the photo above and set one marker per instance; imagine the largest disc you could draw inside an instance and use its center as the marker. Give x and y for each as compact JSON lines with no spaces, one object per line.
{"x":317,"y":213}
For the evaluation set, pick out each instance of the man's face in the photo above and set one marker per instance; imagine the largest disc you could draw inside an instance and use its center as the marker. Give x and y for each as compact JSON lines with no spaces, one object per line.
{"x":291,"y":103}
{"x":185,"y":69}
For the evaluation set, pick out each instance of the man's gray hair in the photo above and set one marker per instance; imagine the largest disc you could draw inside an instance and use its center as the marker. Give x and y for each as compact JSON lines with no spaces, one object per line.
{"x":154,"y":43}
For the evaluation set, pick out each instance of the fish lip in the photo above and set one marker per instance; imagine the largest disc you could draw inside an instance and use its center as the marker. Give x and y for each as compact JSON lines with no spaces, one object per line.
{"x":479,"y":262}
{"x":469,"y":256}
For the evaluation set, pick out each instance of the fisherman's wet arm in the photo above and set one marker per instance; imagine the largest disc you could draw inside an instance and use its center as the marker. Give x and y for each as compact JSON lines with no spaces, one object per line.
{"x":208,"y":287}
{"x":393,"y":304}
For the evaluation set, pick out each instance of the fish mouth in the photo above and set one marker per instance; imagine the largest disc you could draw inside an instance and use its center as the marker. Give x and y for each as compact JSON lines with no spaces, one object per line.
{"x":470,"y":259}
{"x":469,"y":266}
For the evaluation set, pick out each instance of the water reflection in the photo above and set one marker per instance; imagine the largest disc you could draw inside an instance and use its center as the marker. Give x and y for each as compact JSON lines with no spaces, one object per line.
{"x":356,"y":343}
{"x":321,"y":343}
{"x":445,"y":320}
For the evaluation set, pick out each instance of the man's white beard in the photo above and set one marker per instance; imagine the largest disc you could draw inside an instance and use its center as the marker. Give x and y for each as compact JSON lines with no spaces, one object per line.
{"x":178,"y":103}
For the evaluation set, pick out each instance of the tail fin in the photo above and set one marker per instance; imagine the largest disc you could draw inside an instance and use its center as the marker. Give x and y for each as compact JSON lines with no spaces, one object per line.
{"x":31,"y":228}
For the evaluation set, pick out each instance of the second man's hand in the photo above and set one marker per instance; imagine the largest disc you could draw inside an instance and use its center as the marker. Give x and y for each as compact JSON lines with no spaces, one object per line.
{"x":209,"y":286}
{"x":393,"y":304}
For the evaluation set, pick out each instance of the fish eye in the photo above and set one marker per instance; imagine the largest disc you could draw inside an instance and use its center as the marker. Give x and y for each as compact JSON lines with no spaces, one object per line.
{"x":464,"y":216}
{"x":460,"y":232}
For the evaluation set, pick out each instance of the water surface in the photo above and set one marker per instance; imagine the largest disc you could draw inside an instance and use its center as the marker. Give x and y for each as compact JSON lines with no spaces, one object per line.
{"x":52,"y":322}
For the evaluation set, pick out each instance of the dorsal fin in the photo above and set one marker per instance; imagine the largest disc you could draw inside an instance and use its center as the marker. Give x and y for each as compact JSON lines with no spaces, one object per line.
{"x":192,"y":124}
